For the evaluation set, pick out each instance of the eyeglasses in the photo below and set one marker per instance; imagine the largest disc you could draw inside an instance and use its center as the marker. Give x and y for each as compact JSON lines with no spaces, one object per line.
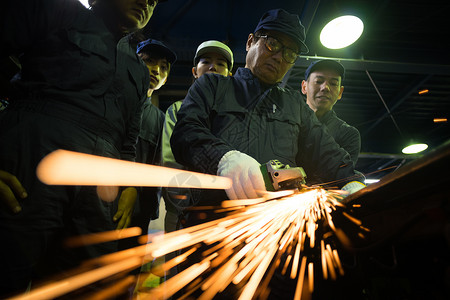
{"x":273,"y":45}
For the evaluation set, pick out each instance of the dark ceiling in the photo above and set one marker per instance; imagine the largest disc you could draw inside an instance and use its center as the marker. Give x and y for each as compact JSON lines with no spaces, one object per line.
{"x":403,"y":50}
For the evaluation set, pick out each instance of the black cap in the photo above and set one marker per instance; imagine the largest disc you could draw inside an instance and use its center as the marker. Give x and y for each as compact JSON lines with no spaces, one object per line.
{"x":281,"y":20}
{"x":155,"y":45}
{"x":325,"y":64}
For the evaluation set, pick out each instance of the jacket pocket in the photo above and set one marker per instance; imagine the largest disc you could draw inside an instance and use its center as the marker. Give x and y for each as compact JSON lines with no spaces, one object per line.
{"x":229,"y":124}
{"x":283,"y":130}
{"x":92,"y":53}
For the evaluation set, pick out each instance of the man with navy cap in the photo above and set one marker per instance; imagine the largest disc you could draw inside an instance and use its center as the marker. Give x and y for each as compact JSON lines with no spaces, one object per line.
{"x":158,"y":58}
{"x":323,"y":88}
{"x":230,"y":125}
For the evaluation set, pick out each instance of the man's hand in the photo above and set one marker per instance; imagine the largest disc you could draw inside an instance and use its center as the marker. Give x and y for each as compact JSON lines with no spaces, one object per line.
{"x":125,"y":207}
{"x":245,"y":173}
{"x":10,"y":187}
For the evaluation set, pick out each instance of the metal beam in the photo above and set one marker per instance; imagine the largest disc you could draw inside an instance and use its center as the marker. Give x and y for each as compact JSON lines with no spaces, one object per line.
{"x":388,"y":155}
{"x":402,"y":96}
{"x":308,"y":13}
{"x":306,"y":17}
{"x":388,"y":111}
{"x":379,"y":65}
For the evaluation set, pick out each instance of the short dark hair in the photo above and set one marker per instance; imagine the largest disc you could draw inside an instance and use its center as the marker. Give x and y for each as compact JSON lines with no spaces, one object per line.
{"x":156,"y":54}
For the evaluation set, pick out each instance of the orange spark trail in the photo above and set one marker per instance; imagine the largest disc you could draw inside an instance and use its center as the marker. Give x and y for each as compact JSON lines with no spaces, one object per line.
{"x":101,"y":237}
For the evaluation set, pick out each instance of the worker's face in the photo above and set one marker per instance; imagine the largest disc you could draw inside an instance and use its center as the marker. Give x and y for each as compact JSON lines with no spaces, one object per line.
{"x":158,"y":68}
{"x":211,"y":63}
{"x":269,"y":67}
{"x":134,"y":14}
{"x":322,"y":89}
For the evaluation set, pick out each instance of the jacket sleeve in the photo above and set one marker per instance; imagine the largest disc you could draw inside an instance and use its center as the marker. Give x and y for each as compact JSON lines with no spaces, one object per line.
{"x":324,"y":161}
{"x":169,"y":123}
{"x":192,"y":141}
{"x":351,"y":141}
{"x":128,"y":151}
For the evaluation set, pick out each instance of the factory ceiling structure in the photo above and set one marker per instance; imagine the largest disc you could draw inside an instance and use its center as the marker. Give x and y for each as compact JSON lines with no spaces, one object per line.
{"x":397,"y":78}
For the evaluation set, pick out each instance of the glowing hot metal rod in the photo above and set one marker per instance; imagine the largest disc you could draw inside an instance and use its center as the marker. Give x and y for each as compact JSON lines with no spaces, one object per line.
{"x":63,"y":167}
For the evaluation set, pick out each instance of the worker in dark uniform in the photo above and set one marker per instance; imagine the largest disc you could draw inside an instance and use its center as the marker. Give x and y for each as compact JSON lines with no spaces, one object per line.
{"x":81,"y":88}
{"x":211,"y":57}
{"x":230,"y":125}
{"x":323,"y":88}
{"x":159,"y":60}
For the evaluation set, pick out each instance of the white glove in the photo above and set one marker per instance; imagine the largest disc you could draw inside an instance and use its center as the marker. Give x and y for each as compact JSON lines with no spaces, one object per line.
{"x":353,"y":186}
{"x":245,"y":173}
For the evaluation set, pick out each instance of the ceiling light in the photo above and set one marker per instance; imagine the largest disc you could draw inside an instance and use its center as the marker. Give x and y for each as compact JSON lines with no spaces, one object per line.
{"x":341,"y":32}
{"x":85,"y":3}
{"x":423,"y":92}
{"x":414,"y":148}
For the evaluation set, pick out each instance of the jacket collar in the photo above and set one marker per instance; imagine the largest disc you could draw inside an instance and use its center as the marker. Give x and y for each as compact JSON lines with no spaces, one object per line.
{"x":328,"y":115}
{"x":247,"y":75}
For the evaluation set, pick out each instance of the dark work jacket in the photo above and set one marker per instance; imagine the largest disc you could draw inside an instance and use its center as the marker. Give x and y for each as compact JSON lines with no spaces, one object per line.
{"x":75,"y":68}
{"x":346,"y":136}
{"x":149,"y":152}
{"x":220,"y":114}
{"x":81,"y":88}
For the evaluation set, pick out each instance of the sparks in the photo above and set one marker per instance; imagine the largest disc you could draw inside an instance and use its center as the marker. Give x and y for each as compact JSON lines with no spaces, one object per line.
{"x":245,"y":246}
{"x":288,"y":233}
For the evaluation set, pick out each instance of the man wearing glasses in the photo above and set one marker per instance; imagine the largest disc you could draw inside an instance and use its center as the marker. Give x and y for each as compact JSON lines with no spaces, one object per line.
{"x":230,"y":125}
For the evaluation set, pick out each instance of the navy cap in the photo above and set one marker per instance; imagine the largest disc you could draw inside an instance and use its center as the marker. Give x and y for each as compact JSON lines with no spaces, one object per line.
{"x":157,"y":46}
{"x":325,"y":64}
{"x":281,"y":20}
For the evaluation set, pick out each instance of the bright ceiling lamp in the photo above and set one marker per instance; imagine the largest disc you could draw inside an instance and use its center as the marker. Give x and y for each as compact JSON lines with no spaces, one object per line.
{"x":414,"y":148}
{"x":341,"y":32}
{"x":85,"y":3}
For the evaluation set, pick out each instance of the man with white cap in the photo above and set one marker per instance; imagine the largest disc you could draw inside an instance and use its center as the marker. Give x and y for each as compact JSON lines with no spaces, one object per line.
{"x":211,"y":57}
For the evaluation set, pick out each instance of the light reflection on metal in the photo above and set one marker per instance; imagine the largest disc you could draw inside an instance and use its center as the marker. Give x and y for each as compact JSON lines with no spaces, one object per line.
{"x":63,"y":167}
{"x":414,"y":148}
